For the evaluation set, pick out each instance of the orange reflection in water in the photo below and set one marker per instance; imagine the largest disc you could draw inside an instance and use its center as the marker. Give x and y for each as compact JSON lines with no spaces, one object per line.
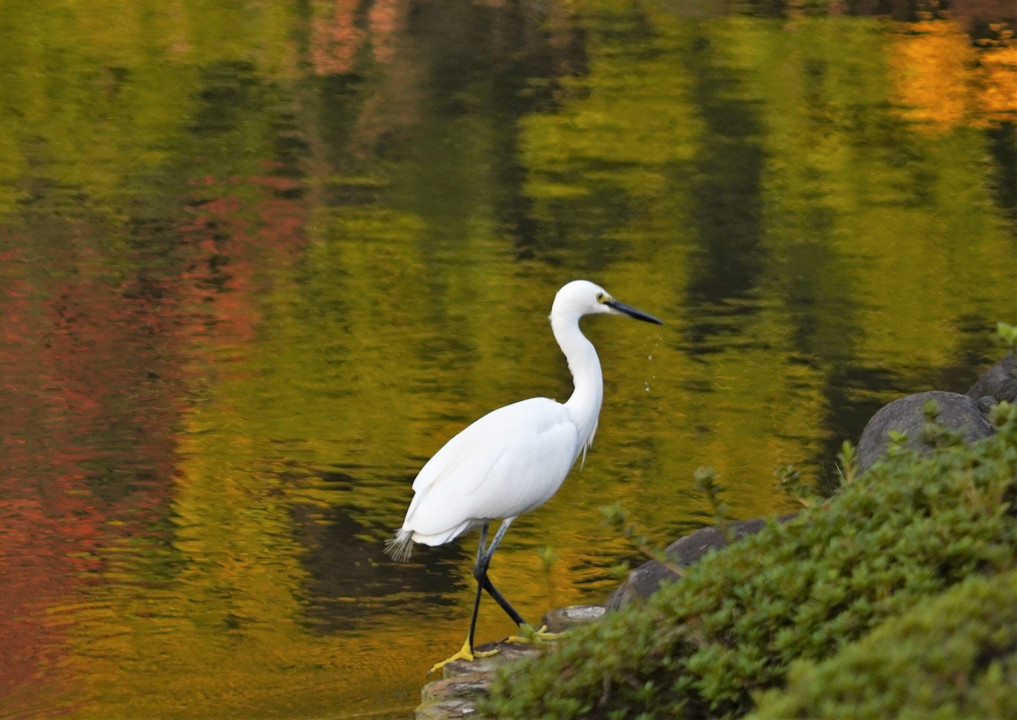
{"x":941,"y":81}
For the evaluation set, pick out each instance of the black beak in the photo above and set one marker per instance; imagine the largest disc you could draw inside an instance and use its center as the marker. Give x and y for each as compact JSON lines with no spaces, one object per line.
{"x":633,"y":312}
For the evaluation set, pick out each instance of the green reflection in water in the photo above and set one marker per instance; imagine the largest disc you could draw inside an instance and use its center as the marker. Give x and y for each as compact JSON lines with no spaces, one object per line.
{"x":303,"y":254}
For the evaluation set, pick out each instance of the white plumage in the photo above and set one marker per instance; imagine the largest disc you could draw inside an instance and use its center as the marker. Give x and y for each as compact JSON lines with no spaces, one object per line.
{"x":472,"y":480}
{"x":513,"y":459}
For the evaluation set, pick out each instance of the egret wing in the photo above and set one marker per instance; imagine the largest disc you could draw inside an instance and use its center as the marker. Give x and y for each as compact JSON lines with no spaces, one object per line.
{"x":506,"y":463}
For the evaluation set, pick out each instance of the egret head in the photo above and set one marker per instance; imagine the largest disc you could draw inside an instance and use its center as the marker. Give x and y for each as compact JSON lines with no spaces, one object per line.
{"x":582,"y":297}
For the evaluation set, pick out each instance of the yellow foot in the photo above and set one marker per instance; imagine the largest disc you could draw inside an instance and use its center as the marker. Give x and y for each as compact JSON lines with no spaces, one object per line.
{"x":533,"y":637}
{"x":465,"y":653}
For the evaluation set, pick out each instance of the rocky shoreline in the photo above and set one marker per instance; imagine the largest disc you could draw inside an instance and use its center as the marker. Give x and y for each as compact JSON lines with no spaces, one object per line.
{"x":464,"y":683}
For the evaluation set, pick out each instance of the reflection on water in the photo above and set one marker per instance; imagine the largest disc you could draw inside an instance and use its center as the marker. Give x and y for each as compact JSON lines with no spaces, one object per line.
{"x":256,"y":266}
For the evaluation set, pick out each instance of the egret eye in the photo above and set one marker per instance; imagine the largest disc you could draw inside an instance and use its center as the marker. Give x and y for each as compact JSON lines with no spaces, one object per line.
{"x":601,"y":297}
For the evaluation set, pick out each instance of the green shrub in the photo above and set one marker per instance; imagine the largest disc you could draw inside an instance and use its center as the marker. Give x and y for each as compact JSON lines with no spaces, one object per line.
{"x":908,"y":529}
{"x":950,"y":657}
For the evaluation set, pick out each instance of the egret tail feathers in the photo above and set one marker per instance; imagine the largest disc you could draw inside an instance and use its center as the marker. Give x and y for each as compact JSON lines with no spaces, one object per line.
{"x":400,"y":547}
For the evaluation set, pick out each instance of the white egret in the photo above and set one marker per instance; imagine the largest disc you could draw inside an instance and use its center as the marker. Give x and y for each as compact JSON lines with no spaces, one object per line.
{"x":515,"y":458}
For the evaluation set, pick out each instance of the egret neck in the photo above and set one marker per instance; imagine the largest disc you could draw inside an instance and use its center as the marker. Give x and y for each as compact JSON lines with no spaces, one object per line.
{"x":584,"y":404}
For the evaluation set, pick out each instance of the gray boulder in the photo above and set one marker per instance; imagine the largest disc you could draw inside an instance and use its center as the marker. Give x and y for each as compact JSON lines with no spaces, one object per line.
{"x":566,"y":618}
{"x":998,"y":382}
{"x":907,"y":415}
{"x":645,"y":579}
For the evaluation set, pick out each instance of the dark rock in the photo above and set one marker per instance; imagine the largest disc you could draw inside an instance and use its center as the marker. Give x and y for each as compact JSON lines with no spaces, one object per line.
{"x":507,"y":652}
{"x":907,"y":415}
{"x":459,"y":687}
{"x":464,"y":682}
{"x":645,"y":579}
{"x":998,"y":382}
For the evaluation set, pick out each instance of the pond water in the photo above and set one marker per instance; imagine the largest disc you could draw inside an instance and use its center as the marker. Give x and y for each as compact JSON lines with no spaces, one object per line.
{"x":258,"y":261}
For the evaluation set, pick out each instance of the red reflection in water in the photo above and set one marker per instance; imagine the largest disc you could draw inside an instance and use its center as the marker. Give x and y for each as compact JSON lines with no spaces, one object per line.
{"x":87,"y":392}
{"x":94,"y":343}
{"x":337,"y":36}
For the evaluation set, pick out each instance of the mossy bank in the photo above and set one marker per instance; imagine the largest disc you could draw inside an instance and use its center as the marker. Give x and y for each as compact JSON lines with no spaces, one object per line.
{"x":841,"y":582}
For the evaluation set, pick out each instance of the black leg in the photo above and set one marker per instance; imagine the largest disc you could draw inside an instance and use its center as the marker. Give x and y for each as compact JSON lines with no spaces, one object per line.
{"x":484,"y":582}
{"x":480,"y":586}
{"x":500,"y":599}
